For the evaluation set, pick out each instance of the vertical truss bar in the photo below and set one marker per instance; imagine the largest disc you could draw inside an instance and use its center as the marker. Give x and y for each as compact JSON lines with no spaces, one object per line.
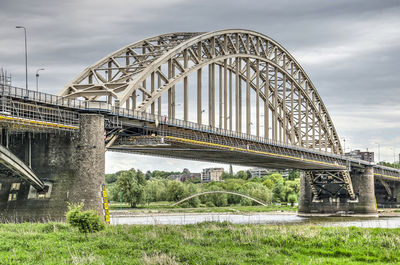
{"x":127,"y":104}
{"x":248,"y":111}
{"x":159,"y":98}
{"x":299,"y":121}
{"x":134,"y":100}
{"x":185,"y":87}
{"x":284,"y":107}
{"x":230,"y":97}
{"x":225,"y":90}
{"x":307,"y":125}
{"x":266,"y":103}
{"x":199,"y":110}
{"x":257,"y":94}
{"x":170,"y":90}
{"x":152,"y":108}
{"x":220,"y":97}
{"x":292,"y":129}
{"x":237,"y":95}
{"x":144,"y":86}
{"x":210,"y":95}
{"x":275,"y":106}
{"x":240,"y":96}
{"x":173,"y":98}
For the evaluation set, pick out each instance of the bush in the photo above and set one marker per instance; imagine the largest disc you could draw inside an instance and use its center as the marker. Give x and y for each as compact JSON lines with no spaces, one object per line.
{"x":292,"y":198}
{"x":85,"y":221}
{"x":210,"y":204}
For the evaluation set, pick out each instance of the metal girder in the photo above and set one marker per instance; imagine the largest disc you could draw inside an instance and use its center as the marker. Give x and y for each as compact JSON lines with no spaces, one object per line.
{"x":333,"y":184}
{"x":292,"y":106}
{"x":14,"y":164}
{"x":386,"y":186}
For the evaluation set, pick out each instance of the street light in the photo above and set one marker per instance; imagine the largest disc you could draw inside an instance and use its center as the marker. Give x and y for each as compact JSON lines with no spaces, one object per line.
{"x":37,"y":78}
{"x":26,"y":59}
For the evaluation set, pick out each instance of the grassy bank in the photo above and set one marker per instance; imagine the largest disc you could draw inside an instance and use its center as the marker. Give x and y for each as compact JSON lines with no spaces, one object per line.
{"x":207,"y":243}
{"x":165,"y":207}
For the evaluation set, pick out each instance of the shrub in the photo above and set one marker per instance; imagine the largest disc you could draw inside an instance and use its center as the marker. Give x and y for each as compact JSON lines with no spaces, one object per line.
{"x":210,"y":204}
{"x":85,"y":221}
{"x":292,"y":198}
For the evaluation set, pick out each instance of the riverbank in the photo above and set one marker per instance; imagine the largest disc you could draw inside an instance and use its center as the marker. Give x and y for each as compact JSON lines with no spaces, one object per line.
{"x":206,"y":243}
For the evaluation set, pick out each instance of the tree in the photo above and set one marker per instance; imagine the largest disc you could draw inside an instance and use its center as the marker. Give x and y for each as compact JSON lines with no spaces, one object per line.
{"x":241,"y":175}
{"x":111,"y":178}
{"x":278,"y":193}
{"x":148,"y":174}
{"x":293,"y":174}
{"x":176,"y":190}
{"x":130,"y":185}
{"x":155,"y":190}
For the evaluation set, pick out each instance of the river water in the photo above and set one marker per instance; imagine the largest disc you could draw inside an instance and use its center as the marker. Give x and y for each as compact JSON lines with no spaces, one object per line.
{"x":255,"y":218}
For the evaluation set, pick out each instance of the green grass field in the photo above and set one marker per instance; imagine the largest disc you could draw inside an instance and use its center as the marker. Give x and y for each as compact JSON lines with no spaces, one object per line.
{"x":205,"y":243}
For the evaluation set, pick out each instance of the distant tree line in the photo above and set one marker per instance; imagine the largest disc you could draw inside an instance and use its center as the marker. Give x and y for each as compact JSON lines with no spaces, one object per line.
{"x":388,"y":164}
{"x":135,"y":187}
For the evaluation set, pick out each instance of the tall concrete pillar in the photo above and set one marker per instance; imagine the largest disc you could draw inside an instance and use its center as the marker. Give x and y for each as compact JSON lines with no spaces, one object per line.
{"x":363,"y":183}
{"x":90,"y":163}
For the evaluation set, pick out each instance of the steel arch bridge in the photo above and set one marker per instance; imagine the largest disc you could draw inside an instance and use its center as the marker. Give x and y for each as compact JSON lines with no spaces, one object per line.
{"x":255,"y":86}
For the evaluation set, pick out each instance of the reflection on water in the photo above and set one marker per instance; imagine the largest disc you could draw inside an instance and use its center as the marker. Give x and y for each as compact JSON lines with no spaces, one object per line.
{"x":261,"y":218}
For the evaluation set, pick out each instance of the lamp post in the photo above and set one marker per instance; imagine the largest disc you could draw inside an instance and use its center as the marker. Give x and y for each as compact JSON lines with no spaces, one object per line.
{"x":37,"y":78}
{"x":26,"y":59}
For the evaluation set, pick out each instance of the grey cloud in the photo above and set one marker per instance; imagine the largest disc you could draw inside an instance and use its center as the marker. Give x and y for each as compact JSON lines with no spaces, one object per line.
{"x":67,"y":36}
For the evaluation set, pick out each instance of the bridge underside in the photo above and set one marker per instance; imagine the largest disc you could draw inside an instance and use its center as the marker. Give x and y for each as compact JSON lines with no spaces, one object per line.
{"x":183,"y":148}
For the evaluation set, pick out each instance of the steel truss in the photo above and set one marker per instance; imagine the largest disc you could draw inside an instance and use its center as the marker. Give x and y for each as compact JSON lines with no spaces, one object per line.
{"x":331,"y":184}
{"x":254,"y":85}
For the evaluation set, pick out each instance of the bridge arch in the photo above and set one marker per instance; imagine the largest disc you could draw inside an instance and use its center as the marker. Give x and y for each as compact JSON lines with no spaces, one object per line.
{"x":259,"y":87}
{"x":219,"y":191}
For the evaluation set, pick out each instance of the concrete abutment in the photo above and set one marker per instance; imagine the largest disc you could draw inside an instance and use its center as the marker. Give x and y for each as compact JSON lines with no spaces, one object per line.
{"x":72,"y":165}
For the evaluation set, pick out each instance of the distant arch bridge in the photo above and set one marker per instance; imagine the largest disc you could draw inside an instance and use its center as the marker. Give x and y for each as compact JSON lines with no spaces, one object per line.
{"x":220,"y":192}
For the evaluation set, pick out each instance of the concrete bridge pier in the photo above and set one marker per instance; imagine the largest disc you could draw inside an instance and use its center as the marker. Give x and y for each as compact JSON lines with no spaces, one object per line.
{"x":328,"y":195}
{"x":71,"y":164}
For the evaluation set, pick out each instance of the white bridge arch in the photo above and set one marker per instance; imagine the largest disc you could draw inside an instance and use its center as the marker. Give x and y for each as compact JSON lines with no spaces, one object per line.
{"x":254,"y":85}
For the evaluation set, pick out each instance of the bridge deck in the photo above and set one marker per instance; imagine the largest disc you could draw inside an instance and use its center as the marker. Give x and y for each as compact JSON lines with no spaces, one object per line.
{"x":259,"y":151}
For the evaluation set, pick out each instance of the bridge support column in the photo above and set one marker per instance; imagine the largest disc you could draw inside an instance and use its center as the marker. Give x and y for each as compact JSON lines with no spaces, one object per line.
{"x":89,"y":163}
{"x":329,"y":195}
{"x":365,"y":188}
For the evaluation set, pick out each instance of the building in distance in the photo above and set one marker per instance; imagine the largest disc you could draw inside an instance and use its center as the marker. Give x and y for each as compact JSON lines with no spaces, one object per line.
{"x":211,"y":174}
{"x":357,"y":154}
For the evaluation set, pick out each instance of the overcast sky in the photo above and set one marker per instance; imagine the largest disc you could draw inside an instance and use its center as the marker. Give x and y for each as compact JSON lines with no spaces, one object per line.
{"x":350,"y":50}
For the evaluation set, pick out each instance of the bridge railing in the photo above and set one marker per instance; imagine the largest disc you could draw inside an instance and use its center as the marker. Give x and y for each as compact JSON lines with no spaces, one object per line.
{"x":46,"y":98}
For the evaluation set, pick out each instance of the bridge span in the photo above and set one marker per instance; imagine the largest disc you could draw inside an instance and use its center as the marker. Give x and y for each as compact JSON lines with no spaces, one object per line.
{"x":230,"y":96}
